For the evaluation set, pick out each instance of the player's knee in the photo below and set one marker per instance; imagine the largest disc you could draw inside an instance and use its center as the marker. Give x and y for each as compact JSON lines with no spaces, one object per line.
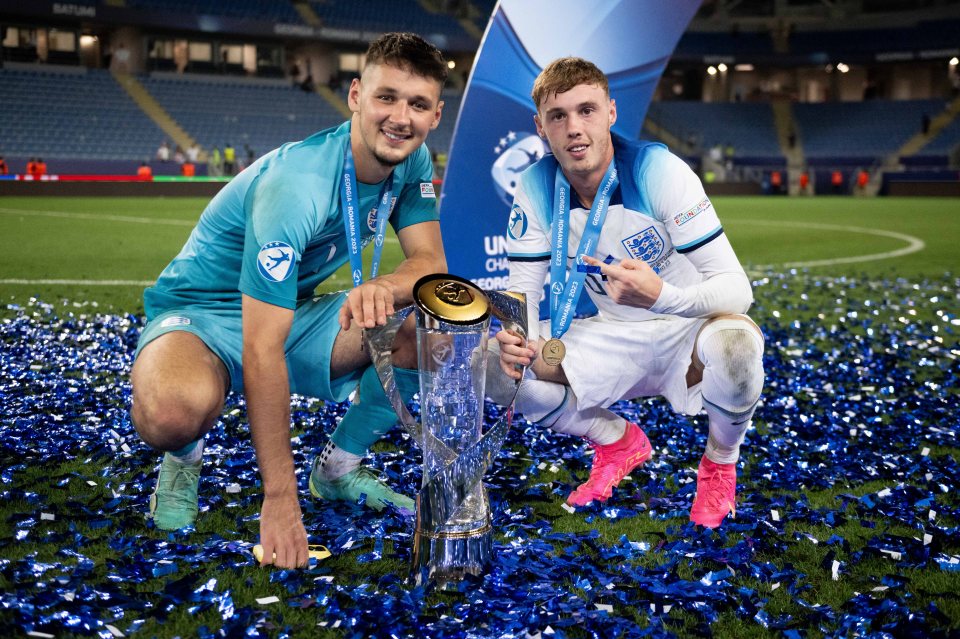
{"x":169,"y":421}
{"x":733,"y":365}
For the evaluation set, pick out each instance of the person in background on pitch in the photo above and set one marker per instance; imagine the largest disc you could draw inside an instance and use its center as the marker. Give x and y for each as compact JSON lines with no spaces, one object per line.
{"x":628,"y":222}
{"x":236,"y":310}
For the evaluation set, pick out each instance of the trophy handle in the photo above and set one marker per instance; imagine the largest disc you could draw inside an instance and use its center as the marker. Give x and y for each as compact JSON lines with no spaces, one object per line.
{"x":379,"y":342}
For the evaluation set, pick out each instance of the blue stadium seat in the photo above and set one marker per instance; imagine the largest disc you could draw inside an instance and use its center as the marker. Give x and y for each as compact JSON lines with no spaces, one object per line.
{"x":260,"y":113}
{"x":60,"y":113}
{"x":874,"y":128}
{"x":274,"y":11}
{"x":749,"y":126}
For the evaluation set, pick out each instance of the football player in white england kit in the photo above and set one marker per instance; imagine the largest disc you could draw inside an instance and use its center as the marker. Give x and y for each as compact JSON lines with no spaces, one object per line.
{"x":628,"y":223}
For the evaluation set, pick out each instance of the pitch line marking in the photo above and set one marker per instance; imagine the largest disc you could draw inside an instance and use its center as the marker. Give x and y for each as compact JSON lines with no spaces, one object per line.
{"x":94,"y":216}
{"x":119,"y":218}
{"x":914,"y":244}
{"x":81,"y":282}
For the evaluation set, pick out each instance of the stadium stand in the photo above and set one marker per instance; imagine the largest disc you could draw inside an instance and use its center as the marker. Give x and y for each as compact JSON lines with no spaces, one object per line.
{"x":263,"y":113}
{"x":71,"y":112}
{"x":440,"y":139}
{"x":749,"y":127}
{"x":275,"y":11}
{"x":695,"y":45}
{"x":944,"y":143}
{"x":377,"y":16}
{"x":768,"y":113}
{"x":875,"y":128}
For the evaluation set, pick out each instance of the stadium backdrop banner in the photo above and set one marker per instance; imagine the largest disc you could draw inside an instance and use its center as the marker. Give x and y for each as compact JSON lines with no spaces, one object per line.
{"x":495,"y":137}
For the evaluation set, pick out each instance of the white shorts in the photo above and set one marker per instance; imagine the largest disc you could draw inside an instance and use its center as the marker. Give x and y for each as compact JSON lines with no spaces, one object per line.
{"x":608,"y":361}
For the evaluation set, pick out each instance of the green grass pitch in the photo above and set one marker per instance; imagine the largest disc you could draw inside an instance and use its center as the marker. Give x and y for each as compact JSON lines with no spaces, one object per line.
{"x":95,"y":255}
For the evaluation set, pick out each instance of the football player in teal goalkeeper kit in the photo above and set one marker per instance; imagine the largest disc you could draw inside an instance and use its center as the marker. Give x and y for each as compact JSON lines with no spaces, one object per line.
{"x":235,"y":310}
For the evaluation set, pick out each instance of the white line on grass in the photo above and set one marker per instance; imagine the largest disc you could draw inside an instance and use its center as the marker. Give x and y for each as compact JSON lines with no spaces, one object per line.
{"x":914,"y":244}
{"x":82,"y":282}
{"x":120,"y":218}
{"x":93,"y":216}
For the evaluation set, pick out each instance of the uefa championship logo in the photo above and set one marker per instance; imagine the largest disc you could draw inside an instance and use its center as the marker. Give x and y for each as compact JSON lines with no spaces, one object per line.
{"x":275,"y":261}
{"x":516,"y":152}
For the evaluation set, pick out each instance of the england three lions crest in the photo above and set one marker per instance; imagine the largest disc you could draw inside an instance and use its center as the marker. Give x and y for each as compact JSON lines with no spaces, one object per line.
{"x":647,"y":245}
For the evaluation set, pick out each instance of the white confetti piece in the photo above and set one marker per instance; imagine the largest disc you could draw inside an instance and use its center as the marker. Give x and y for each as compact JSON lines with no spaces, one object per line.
{"x":263,"y":601}
{"x":233,"y":489}
{"x":835,"y":570}
{"x":927,"y":538}
{"x":91,"y":483}
{"x":568,"y":508}
{"x":47,"y":517}
{"x":347,"y":545}
{"x":925,"y":451}
{"x":604,"y":607}
{"x":884,"y":493}
{"x":775,"y":515}
{"x":774,"y":586}
{"x":115,"y":631}
{"x":37,"y":633}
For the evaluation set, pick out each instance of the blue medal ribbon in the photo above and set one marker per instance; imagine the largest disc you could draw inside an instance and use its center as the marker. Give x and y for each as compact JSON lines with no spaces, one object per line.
{"x":349,"y":201}
{"x":565,"y":288}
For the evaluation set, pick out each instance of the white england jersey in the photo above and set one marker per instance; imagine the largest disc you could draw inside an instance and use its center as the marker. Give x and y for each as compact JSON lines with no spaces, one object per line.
{"x":658,"y":212}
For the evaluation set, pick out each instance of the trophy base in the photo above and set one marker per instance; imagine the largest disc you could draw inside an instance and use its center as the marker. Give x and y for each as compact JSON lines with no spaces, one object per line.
{"x":445,"y":558}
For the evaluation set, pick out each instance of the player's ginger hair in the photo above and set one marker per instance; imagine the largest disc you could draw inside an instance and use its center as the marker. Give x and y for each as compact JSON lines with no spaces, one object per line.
{"x":563,"y":74}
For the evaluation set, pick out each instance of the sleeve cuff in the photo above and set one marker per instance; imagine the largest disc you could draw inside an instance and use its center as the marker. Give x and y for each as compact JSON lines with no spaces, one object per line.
{"x":668,"y":300}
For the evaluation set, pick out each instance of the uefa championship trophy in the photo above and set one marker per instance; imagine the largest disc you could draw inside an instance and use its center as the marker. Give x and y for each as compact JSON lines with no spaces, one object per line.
{"x":453,"y":534}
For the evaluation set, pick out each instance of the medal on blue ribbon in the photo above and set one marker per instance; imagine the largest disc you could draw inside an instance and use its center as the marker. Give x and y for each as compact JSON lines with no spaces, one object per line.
{"x":565,"y":287}
{"x":349,"y":201}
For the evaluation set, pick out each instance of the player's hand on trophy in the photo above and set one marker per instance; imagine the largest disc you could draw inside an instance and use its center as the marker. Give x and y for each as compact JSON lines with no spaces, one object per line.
{"x":631,"y":282}
{"x":368,"y":304}
{"x":282,"y":535}
{"x":513,"y":353}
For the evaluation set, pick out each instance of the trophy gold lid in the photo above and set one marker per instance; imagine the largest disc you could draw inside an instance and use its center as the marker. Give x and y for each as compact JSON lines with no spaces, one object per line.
{"x":451,"y":299}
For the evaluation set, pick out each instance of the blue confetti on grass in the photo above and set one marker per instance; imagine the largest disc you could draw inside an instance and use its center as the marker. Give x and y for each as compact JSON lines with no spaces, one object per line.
{"x":852,"y":396}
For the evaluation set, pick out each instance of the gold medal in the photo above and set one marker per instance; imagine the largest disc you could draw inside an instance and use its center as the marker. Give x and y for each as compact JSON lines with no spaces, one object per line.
{"x":553,"y":352}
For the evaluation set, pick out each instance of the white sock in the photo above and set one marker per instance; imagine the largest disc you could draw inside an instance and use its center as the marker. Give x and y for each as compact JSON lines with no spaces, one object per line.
{"x":189,"y":454}
{"x":604,"y":427}
{"x":555,"y":406}
{"x":552,"y":405}
{"x":731,"y":352}
{"x":335,"y":462}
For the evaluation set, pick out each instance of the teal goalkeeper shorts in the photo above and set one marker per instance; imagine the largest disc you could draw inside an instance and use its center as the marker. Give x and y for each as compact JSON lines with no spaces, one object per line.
{"x":309,"y":345}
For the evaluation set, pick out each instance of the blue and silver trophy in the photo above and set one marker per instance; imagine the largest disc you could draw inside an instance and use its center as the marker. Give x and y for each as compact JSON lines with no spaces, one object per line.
{"x":453,"y":535}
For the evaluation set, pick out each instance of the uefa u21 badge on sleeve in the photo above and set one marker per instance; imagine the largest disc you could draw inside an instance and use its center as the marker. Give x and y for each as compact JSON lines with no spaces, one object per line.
{"x":452,"y":534}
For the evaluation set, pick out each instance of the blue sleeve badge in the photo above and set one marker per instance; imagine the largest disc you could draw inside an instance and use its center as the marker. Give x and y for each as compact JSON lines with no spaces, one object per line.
{"x":517,"y":226}
{"x":275,"y":261}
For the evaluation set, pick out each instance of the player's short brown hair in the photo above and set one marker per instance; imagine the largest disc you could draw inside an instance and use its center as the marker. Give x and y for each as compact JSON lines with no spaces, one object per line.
{"x":408,"y":51}
{"x":563,"y":74}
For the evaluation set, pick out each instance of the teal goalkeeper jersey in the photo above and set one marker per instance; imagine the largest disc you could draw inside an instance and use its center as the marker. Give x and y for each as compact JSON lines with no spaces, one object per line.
{"x":276,"y":230}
